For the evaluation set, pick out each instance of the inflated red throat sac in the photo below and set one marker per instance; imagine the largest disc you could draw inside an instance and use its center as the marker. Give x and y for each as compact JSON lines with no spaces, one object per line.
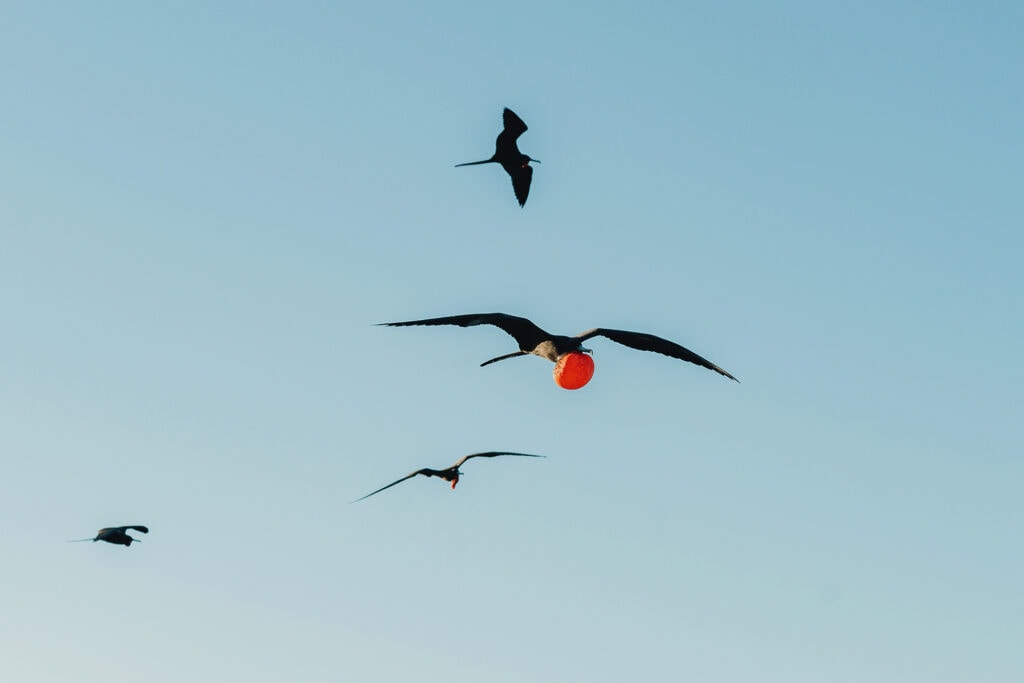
{"x":574,"y":370}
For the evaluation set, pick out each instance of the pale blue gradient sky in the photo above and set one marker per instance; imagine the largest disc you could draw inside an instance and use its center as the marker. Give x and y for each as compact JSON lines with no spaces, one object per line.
{"x":204,"y":210}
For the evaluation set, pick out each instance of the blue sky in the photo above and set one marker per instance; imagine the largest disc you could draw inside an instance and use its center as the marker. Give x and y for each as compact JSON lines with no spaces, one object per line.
{"x":206,"y":209}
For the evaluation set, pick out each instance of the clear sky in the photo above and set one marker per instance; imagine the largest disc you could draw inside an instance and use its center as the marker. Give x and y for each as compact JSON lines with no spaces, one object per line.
{"x":206,"y":207}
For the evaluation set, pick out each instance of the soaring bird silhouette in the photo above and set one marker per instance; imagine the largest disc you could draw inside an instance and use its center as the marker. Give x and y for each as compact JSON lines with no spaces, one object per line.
{"x":533,"y":340}
{"x":116,"y":535}
{"x":451,"y":474}
{"x":507,"y":153}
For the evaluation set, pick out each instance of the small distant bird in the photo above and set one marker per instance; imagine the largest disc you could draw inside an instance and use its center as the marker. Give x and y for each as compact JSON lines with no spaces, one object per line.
{"x":116,"y":535}
{"x":533,"y":340}
{"x":451,"y":474}
{"x":507,"y":153}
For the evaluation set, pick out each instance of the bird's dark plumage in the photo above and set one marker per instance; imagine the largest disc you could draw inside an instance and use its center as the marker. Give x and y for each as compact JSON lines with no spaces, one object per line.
{"x":451,"y":473}
{"x":506,"y":153}
{"x":534,"y":340}
{"x":513,"y":128}
{"x":118,"y":535}
{"x":522,"y":176}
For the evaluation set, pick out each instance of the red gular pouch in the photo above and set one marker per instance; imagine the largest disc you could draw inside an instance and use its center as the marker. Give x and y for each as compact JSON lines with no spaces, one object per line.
{"x":574,"y":370}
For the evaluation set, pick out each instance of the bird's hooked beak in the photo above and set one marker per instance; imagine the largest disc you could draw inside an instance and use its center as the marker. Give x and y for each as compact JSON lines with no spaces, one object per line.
{"x":586,"y":350}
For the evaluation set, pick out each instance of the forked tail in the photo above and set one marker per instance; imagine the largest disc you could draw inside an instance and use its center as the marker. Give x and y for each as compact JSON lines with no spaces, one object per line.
{"x":506,"y":356}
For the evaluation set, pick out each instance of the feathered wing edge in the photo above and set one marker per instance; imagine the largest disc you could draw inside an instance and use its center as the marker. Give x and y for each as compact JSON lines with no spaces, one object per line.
{"x":491,"y":454}
{"x":649,"y":342}
{"x":383,"y":488}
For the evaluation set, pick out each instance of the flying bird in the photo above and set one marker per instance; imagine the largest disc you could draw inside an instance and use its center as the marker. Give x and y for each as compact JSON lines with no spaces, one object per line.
{"x":507,"y":153}
{"x":451,"y":474}
{"x":534,"y":340}
{"x":116,"y":535}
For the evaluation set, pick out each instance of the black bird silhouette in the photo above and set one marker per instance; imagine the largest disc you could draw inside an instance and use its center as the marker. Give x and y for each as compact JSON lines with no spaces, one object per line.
{"x":507,"y":153}
{"x":116,"y":535}
{"x":534,"y":340}
{"x":452,"y":473}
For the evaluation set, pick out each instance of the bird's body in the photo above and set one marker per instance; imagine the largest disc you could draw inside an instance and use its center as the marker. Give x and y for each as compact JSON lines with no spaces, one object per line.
{"x":450,"y":474}
{"x":506,"y":153}
{"x":117,"y":535}
{"x":533,"y":340}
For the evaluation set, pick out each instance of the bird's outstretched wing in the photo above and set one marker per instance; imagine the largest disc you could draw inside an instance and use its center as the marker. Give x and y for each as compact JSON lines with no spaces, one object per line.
{"x":521,"y":177}
{"x":526,"y":334}
{"x":135,"y":527}
{"x":425,"y":471}
{"x":505,"y":147}
{"x":514,"y":125}
{"x":648,"y":342}
{"x":492,"y":454}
